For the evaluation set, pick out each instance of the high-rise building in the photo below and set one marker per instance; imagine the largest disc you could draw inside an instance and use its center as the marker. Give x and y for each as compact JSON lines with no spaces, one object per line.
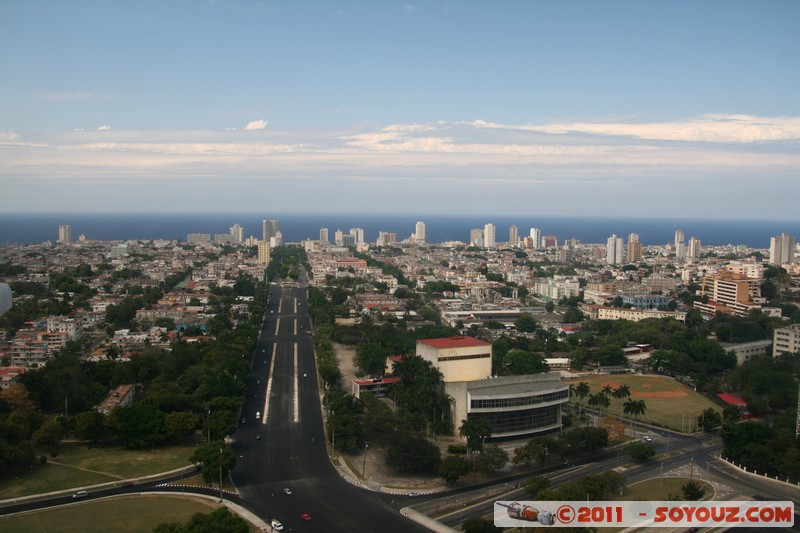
{"x":419,"y":233}
{"x":237,"y":233}
{"x":476,"y":237}
{"x":386,"y":238}
{"x":263,"y":253}
{"x":513,"y":236}
{"x":694,"y":248}
{"x":614,"y":249}
{"x":323,"y":234}
{"x":549,"y":241}
{"x":65,"y":233}
{"x":536,"y":236}
{"x":269,"y":229}
{"x":680,"y":245}
{"x":349,"y":240}
{"x":488,"y":236}
{"x":634,"y":248}
{"x":729,"y":293}
{"x":358,"y":235}
{"x":781,"y":249}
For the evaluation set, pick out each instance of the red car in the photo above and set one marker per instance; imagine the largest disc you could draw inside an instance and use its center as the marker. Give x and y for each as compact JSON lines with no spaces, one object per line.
{"x":306,"y":517}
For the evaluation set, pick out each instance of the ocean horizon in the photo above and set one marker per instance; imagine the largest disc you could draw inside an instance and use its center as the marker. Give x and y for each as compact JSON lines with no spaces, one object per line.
{"x":27,"y":228}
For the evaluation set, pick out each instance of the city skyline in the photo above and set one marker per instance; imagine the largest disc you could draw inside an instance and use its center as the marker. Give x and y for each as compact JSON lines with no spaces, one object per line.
{"x":526,"y":107}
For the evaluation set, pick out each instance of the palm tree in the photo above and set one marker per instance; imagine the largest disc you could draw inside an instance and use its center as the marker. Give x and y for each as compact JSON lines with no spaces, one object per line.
{"x":623,"y":392}
{"x":634,"y":408}
{"x":474,"y":430}
{"x":581,"y":391}
{"x":599,"y":401}
{"x":607,"y":390}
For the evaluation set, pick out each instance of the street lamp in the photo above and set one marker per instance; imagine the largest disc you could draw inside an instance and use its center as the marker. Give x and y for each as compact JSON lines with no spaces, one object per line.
{"x":220,"y":475}
{"x":364,"y":465}
{"x":333,"y":434}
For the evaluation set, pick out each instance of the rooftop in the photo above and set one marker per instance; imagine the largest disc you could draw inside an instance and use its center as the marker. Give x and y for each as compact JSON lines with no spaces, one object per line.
{"x":454,"y":342}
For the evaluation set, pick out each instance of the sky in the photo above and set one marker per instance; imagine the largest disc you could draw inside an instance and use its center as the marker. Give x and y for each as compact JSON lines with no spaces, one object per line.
{"x":674,"y":108}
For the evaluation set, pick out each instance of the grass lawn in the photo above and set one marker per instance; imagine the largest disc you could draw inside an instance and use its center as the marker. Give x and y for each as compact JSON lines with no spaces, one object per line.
{"x":128,"y":514}
{"x":669,"y":403}
{"x":658,"y":489}
{"x":80,"y":466}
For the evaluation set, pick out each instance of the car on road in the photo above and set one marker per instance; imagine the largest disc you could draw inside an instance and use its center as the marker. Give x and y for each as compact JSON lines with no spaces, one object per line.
{"x":80,"y":494}
{"x":258,"y":437}
{"x":258,"y":414}
{"x":243,"y":420}
{"x":646,"y":438}
{"x":287,"y":491}
{"x":276,"y":525}
{"x":306,"y":517}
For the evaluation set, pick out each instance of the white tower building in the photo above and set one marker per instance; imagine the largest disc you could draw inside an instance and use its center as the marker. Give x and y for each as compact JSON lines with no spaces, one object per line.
{"x":489,"y":236}
{"x":419,"y":233}
{"x":614,"y":250}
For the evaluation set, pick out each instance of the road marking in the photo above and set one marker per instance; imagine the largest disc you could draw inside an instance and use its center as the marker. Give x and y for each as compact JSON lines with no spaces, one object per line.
{"x":269,"y":384}
{"x":280,"y":305}
{"x":295,"y":327}
{"x":296,"y":388}
{"x":277,"y":323}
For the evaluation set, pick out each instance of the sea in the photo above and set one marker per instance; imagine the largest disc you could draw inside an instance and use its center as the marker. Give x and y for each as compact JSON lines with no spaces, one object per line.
{"x":27,"y":228}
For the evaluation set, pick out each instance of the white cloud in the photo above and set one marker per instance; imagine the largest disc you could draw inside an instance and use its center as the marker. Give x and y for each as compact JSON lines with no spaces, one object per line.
{"x":104,"y":127}
{"x":408,"y":8}
{"x":256,"y":125}
{"x":706,"y":129}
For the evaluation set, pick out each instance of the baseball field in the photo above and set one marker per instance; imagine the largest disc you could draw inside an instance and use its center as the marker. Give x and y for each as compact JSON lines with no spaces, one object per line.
{"x":669,"y":403}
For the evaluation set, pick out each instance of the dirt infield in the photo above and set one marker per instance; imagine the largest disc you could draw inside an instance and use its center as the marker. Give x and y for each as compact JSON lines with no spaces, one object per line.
{"x":669,"y":403}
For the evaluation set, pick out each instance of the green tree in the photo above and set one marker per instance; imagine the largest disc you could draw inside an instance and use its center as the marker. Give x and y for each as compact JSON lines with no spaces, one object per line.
{"x":623,"y":392}
{"x":692,"y":491}
{"x":212,"y":456}
{"x":491,"y":459}
{"x":453,"y":467}
{"x":526,"y":323}
{"x":49,"y":434}
{"x":179,"y":425}
{"x":410,"y":454}
{"x":581,"y":392}
{"x":634,"y":409}
{"x":640,"y":451}
{"x":140,"y":425}
{"x":535,"y":485}
{"x":90,"y":425}
{"x":522,"y":362}
{"x":476,"y":431}
{"x":709,"y":419}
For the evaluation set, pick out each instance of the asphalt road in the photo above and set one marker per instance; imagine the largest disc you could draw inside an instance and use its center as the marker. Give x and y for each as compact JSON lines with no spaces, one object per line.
{"x":286,"y":448}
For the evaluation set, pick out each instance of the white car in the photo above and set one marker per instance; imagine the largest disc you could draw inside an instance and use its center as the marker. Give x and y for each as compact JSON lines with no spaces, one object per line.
{"x":646,"y":438}
{"x":276,"y":525}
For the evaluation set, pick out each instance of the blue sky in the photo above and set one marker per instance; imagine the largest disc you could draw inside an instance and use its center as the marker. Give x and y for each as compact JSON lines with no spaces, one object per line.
{"x":646,"y":108}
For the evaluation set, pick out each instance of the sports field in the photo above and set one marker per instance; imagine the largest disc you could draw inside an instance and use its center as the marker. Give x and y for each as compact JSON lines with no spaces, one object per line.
{"x":669,"y":403}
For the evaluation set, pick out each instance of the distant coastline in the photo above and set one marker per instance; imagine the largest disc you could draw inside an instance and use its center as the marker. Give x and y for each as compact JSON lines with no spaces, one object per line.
{"x":41,"y":227}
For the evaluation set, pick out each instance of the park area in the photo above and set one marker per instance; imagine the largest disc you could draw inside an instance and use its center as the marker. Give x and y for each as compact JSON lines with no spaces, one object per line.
{"x":670,"y":404}
{"x":77,"y":465}
{"x":126,"y":514}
